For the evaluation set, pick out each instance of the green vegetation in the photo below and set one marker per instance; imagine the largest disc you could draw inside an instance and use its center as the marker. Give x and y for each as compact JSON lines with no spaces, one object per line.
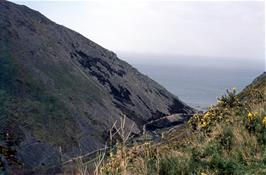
{"x":230,"y":138}
{"x":23,"y":100}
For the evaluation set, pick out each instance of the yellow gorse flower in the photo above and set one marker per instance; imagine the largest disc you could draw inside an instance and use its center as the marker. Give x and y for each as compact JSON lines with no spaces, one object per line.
{"x":203,"y":124}
{"x":206,"y":116}
{"x":264,"y":121}
{"x":251,"y":117}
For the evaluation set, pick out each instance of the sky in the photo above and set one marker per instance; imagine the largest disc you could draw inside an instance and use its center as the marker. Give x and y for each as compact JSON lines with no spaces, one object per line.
{"x":226,"y":29}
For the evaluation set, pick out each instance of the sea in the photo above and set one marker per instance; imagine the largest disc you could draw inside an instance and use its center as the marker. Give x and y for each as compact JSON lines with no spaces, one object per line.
{"x":200,"y":83}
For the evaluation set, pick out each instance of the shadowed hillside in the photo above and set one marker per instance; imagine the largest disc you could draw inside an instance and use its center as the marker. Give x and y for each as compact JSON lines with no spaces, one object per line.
{"x":60,"y":92}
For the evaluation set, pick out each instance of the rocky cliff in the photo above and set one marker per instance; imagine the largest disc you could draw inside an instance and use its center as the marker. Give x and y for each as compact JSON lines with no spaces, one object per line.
{"x":59,"y":89}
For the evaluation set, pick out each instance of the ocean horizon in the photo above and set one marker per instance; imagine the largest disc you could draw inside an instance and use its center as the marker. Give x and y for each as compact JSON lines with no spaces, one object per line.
{"x":197,"y":81}
{"x":196,"y":86}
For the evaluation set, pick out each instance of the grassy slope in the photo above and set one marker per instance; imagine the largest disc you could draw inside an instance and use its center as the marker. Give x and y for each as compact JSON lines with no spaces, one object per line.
{"x":25,"y":102}
{"x":228,"y":139}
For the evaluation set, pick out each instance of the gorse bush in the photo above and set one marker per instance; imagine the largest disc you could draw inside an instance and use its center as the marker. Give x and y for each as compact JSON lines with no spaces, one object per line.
{"x":229,"y":100}
{"x":230,"y":138}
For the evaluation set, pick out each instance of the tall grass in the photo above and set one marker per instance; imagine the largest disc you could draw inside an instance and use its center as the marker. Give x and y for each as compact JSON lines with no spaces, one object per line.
{"x":230,"y":138}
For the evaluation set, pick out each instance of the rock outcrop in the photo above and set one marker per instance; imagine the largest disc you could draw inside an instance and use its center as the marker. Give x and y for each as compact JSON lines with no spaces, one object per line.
{"x":59,"y":89}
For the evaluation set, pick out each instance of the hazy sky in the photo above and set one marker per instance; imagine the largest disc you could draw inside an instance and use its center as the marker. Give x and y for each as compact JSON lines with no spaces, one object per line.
{"x":223,"y":29}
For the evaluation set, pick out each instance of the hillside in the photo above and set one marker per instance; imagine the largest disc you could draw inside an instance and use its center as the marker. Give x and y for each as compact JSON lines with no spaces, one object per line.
{"x":60,"y":92}
{"x":230,"y":138}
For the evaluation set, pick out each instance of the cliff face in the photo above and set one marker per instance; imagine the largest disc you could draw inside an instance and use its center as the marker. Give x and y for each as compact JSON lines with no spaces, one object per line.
{"x":60,"y":89}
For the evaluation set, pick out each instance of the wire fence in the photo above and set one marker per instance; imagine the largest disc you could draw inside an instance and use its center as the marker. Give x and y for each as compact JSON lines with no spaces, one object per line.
{"x":112,"y":148}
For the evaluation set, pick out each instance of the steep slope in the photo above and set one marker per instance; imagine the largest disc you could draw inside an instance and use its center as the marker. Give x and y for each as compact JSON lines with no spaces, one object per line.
{"x":230,"y":138}
{"x":61,"y":90}
{"x":255,"y":90}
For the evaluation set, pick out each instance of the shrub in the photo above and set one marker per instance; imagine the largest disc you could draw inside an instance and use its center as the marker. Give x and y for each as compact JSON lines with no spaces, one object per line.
{"x":226,"y":137}
{"x":223,"y":165}
{"x":173,"y":166}
{"x":229,"y":99}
